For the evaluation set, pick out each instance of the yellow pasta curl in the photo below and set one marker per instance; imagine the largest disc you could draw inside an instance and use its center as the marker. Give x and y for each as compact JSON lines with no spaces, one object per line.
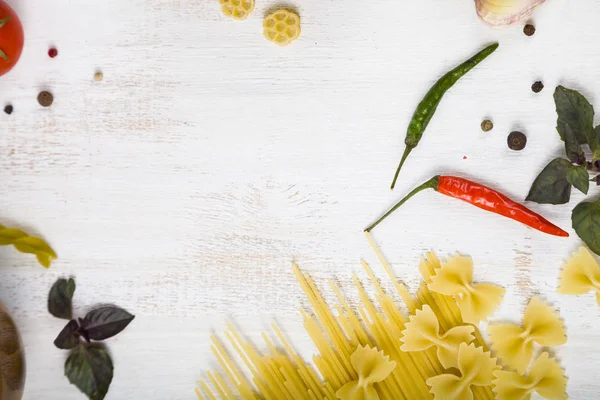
{"x":546,"y":377}
{"x":514,"y":344}
{"x":27,"y":244}
{"x":580,"y":275}
{"x":371,"y":366}
{"x":476,"y":368}
{"x":476,"y":302}
{"x":422,"y":332}
{"x":237,"y":9}
{"x":282,"y":27}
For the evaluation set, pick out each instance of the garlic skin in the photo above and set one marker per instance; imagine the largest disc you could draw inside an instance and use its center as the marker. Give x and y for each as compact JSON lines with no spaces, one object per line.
{"x":505,"y":12}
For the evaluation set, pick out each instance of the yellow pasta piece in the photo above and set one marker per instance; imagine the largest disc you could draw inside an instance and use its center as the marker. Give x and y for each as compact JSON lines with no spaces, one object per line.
{"x":580,"y":274}
{"x":476,"y":302}
{"x":423,"y":332}
{"x":237,"y":9}
{"x":514,"y":344}
{"x":476,"y":369}
{"x":282,"y":27}
{"x":371,"y":366}
{"x":27,"y":244}
{"x":431,"y":262}
{"x":546,"y":377}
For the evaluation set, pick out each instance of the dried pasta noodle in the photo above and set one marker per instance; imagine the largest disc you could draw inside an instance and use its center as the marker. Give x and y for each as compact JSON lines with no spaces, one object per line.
{"x":422,"y":332}
{"x":514,"y":344}
{"x":476,"y":302}
{"x":476,"y":369}
{"x":361,"y":349}
{"x":237,"y":9}
{"x":282,"y":27}
{"x":27,"y":244}
{"x":580,"y":275}
{"x":545,"y":377}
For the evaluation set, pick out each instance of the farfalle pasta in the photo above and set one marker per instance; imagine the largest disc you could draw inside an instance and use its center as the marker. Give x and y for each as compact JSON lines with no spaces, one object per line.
{"x":476,"y":301}
{"x":476,"y":368}
{"x":371,"y":366}
{"x":580,"y":275}
{"x":514,"y":344}
{"x":545,"y":377}
{"x":423,"y":332}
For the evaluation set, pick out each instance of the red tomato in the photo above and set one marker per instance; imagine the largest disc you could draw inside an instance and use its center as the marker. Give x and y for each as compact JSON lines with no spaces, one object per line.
{"x":11,"y":38}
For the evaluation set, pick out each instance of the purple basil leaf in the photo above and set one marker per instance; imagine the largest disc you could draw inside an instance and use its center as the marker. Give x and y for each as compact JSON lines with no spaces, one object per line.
{"x":68,"y":338}
{"x":59,"y":299}
{"x":105,"y":322}
{"x":90,"y":368}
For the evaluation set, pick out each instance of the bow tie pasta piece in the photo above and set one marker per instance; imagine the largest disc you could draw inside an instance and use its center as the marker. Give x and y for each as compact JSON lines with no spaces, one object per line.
{"x":422,"y":332}
{"x":282,"y":27}
{"x":371,"y":366}
{"x":546,"y":377}
{"x":476,"y":302}
{"x":476,"y":369}
{"x":514,"y":344}
{"x":237,"y":9}
{"x":580,"y":275}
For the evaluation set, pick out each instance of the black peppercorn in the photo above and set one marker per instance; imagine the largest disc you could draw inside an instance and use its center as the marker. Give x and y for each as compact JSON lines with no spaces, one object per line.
{"x":517,"y":140}
{"x":45,"y":99}
{"x":537,"y":87}
{"x":529,"y":30}
{"x":8,"y":109}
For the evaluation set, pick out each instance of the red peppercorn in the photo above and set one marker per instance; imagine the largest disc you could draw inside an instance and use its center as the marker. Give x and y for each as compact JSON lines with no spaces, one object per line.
{"x":52,"y":52}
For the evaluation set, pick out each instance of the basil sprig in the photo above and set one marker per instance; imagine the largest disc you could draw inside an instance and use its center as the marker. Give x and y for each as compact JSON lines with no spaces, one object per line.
{"x":575,"y":126}
{"x":89,"y":365}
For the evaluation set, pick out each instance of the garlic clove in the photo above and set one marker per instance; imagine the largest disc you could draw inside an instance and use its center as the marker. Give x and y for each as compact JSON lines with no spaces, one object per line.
{"x":505,"y":12}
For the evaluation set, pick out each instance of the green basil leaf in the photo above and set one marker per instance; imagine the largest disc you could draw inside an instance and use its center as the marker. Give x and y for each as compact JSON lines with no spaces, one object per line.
{"x":106,"y":322}
{"x":579,"y":177}
{"x":551,"y":185}
{"x":68,"y":338}
{"x":586,"y":222}
{"x":574,"y":110}
{"x":572,"y":147}
{"x":59,"y":299}
{"x":90,"y":368}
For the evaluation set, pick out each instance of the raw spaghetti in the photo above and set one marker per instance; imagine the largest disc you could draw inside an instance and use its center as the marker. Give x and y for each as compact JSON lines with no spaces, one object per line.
{"x":374,"y":330}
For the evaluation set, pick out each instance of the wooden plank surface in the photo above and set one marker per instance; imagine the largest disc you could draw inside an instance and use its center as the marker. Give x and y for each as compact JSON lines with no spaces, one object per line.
{"x":183,"y":185}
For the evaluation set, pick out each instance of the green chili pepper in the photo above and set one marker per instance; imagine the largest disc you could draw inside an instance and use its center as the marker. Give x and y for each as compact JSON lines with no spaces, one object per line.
{"x":428,"y":105}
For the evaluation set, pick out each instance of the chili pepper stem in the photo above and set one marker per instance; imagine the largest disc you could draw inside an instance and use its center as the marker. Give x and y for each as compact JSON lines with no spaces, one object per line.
{"x":404,"y":157}
{"x":433,"y":183}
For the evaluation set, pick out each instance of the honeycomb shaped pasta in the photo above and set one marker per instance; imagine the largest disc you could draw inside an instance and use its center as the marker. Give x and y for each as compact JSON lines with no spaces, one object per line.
{"x":238,"y":9}
{"x":282,"y":27}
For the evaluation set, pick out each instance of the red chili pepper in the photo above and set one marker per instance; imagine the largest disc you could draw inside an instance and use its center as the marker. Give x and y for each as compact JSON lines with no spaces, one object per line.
{"x":482,"y":197}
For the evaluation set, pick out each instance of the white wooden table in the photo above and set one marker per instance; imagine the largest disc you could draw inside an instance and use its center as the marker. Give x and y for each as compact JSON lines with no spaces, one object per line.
{"x":183,"y":185}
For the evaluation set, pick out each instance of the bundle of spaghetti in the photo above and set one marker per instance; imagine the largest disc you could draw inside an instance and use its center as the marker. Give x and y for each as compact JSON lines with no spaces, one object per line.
{"x":339,"y":332}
